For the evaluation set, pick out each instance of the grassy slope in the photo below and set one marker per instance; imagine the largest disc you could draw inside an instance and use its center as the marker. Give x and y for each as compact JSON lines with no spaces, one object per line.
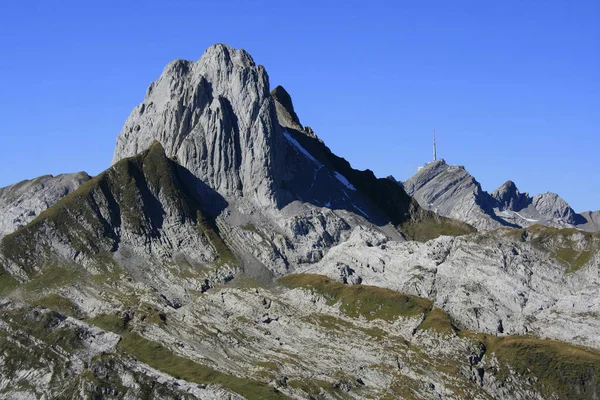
{"x":571,"y":247}
{"x":163,"y":359}
{"x":131,"y":188}
{"x":370,"y":302}
{"x":569,"y":371}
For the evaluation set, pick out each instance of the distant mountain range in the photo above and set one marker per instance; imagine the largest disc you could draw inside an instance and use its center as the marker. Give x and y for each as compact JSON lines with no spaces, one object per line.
{"x":451,"y":191}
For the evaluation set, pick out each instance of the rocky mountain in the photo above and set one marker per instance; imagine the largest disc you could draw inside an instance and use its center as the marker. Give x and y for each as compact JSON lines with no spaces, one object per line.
{"x":451,"y":191}
{"x":228,"y":253}
{"x":22,"y":202}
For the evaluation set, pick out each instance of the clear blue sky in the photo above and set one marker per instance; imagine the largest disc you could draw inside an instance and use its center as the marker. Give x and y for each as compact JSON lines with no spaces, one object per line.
{"x":512,"y":87}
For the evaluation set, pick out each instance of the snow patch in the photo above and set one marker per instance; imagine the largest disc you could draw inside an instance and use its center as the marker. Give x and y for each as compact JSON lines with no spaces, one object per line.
{"x":301,"y":149}
{"x":344,"y":181}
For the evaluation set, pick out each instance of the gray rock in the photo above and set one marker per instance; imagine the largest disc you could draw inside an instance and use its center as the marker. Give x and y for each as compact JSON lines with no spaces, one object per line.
{"x":592,"y":221}
{"x":451,"y":191}
{"x":218,"y":119}
{"x":22,"y":202}
{"x":286,"y":115}
{"x":508,"y":197}
{"x":553,"y":207}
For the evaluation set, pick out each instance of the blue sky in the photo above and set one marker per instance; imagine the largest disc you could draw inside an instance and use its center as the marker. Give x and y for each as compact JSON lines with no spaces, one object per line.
{"x":512,"y":87}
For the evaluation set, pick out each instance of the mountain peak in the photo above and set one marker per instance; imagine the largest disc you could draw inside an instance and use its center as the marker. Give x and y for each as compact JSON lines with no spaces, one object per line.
{"x":216,"y":116}
{"x":224,"y":53}
{"x":285,"y":109}
{"x":508,"y":197}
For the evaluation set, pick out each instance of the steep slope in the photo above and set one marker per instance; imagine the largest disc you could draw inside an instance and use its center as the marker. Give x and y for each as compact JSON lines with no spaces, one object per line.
{"x":217,"y":118}
{"x":508,"y":197}
{"x":131,"y":218}
{"x":22,"y":202}
{"x":452,"y":191}
{"x":592,"y":220}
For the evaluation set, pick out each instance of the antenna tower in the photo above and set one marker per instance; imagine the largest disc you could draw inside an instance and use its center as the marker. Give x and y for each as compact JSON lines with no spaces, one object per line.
{"x":434,"y":149}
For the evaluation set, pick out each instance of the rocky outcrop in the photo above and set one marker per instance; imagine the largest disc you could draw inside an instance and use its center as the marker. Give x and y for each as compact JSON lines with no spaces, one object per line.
{"x":22,"y":202}
{"x":286,"y":115}
{"x":592,"y":220}
{"x":498,"y":284}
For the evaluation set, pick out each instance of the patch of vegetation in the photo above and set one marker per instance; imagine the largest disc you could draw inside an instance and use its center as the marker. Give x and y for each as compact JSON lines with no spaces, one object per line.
{"x":44,"y":326}
{"x":150,"y":314}
{"x":336,"y":325}
{"x":317,"y":388}
{"x":161,"y":358}
{"x":249,"y":227}
{"x":429,"y":226}
{"x":436,"y":319}
{"x":360,"y":300}
{"x":7,"y":282}
{"x":210,"y":231}
{"x":565,"y":370}
{"x":58,"y":303}
{"x":54,"y":277}
{"x":571,"y":247}
{"x":109,"y":322}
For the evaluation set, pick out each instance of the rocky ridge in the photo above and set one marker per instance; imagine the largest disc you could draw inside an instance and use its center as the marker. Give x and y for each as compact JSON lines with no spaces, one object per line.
{"x":451,"y":191}
{"x":22,"y":202}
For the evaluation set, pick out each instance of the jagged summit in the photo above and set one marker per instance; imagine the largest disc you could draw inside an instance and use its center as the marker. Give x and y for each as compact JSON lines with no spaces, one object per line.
{"x":217,"y":119}
{"x":451,"y":191}
{"x":508,"y":197}
{"x":285,"y":109}
{"x":216,"y":116}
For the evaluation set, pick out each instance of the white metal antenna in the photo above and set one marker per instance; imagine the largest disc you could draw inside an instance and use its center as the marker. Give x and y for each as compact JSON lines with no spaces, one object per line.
{"x":434,"y":149}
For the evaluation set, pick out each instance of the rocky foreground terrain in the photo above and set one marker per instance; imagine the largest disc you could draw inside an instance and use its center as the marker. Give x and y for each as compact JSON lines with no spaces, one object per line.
{"x":227,"y":253}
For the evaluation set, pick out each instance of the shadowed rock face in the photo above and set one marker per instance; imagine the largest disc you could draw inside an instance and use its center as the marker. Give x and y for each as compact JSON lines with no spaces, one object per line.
{"x":22,"y":202}
{"x":508,"y":197}
{"x":285,"y":109}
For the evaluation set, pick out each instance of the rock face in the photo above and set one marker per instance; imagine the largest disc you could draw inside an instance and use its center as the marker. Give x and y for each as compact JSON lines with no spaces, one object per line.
{"x":592,"y":220}
{"x":286,"y":115}
{"x":553,"y":206}
{"x":508,"y":197}
{"x":498,"y":284}
{"x":452,"y":191}
{"x":22,"y":202}
{"x":217,"y":117}
{"x":228,"y":253}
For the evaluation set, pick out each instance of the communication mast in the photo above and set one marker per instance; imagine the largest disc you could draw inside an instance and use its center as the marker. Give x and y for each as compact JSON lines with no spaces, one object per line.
{"x":434,"y":149}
